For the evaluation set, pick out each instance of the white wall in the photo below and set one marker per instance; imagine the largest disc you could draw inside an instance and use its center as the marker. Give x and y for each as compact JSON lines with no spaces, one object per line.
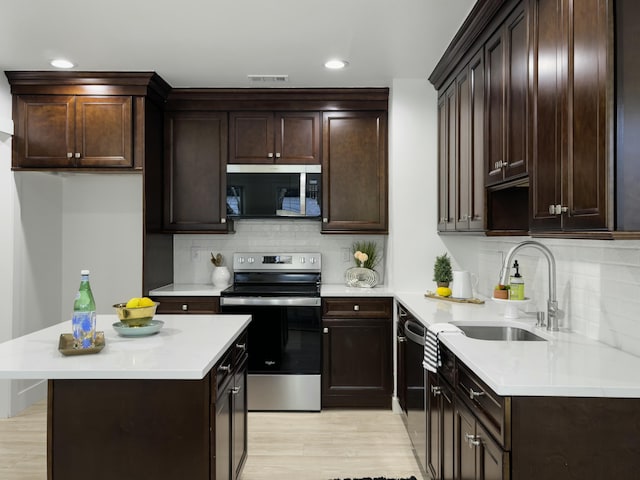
{"x":7,"y":194}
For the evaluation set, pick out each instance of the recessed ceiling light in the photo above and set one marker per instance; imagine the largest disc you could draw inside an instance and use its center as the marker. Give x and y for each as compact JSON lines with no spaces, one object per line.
{"x":62,"y":63}
{"x":336,"y":64}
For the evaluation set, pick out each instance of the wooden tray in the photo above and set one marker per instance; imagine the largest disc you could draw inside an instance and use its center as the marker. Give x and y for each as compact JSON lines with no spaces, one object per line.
{"x":477,"y":301}
{"x":65,"y":345}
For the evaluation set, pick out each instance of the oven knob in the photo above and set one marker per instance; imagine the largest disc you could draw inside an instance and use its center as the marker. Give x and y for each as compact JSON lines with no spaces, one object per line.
{"x":302,"y":259}
{"x":240,"y":259}
{"x":251,"y":260}
{"x":312,"y":259}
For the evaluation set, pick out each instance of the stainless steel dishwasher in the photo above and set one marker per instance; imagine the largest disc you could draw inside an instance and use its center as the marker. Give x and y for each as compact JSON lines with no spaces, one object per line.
{"x":415,"y":386}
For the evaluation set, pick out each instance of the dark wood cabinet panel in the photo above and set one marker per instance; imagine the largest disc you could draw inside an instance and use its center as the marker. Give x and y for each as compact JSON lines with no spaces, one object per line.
{"x":355,"y":171}
{"x":61,"y":131}
{"x":506,"y":105}
{"x":445,"y":159}
{"x":572,"y":116}
{"x":274,"y":137}
{"x":360,"y":307}
{"x":195,"y":172}
{"x":357,"y":358}
{"x":440,"y":428}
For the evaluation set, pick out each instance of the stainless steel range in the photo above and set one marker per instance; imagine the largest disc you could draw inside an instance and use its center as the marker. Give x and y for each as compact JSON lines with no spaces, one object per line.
{"x":282,"y":293}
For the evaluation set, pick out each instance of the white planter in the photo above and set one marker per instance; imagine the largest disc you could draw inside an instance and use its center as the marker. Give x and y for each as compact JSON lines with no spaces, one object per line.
{"x":221,"y":276}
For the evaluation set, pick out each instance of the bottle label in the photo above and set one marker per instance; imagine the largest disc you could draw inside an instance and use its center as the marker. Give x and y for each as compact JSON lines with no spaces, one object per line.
{"x":84,"y":329}
{"x":516,"y":291}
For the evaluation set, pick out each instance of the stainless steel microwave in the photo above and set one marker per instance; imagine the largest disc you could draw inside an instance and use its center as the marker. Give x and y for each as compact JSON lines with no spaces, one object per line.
{"x":269,"y":191}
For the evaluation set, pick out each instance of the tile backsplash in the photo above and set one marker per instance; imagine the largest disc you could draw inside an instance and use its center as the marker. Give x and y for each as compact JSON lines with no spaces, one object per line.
{"x":192,"y":253}
{"x":598,"y":284}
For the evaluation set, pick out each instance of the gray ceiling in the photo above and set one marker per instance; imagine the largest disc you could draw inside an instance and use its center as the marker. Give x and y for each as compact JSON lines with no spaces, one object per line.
{"x":217,"y":43}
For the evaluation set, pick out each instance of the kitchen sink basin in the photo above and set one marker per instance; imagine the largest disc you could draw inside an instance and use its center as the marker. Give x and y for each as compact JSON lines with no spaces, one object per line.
{"x":500,"y":333}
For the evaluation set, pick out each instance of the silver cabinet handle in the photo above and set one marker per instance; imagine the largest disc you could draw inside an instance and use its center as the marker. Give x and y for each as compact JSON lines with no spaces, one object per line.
{"x":473,"y":440}
{"x":185,"y":307}
{"x":435,"y":391}
{"x":325,"y":220}
{"x":356,"y":308}
{"x":325,"y":330}
{"x":473,"y":394}
{"x":277,"y":154}
{"x":223,"y":220}
{"x":224,"y":368}
{"x":69,"y":154}
{"x":401,"y":339}
{"x":235,"y":390}
{"x":77,"y":155}
{"x":241,"y":346}
{"x":269,"y":155}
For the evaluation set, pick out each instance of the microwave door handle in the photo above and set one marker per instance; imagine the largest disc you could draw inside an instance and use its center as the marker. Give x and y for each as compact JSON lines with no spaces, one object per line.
{"x":303,"y":193}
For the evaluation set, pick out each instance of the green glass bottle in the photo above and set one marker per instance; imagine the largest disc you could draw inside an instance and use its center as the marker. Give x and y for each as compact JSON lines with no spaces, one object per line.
{"x":84,"y":314}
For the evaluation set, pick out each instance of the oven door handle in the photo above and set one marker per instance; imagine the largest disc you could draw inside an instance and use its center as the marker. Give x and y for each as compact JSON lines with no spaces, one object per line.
{"x":271,"y":301}
{"x":410,"y":328}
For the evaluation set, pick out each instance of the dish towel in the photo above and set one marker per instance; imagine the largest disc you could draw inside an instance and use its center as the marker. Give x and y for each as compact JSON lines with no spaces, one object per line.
{"x":431,"y":359}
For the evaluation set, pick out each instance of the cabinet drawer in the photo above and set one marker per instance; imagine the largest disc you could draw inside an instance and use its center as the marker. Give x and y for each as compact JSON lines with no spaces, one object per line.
{"x":352,"y":307}
{"x":222,"y":373}
{"x":188,"y":304}
{"x":493,"y":410}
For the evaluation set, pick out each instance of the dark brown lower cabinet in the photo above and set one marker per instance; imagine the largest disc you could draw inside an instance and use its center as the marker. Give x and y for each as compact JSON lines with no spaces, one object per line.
{"x":357,"y":354}
{"x":477,"y":455}
{"x":440,"y":428}
{"x":160,"y":429}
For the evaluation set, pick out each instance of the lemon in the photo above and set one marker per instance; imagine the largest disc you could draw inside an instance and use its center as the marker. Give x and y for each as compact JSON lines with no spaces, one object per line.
{"x":146,"y":302}
{"x":444,"y":291}
{"x":133,"y":302}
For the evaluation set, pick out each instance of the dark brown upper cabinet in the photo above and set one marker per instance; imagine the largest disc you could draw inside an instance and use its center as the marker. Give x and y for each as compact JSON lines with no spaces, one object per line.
{"x":506,"y":103}
{"x":447,"y":153}
{"x":70,"y":120}
{"x":354,"y":172}
{"x":73,"y":131}
{"x":572,"y":102}
{"x":274,"y":138}
{"x":195,"y":172}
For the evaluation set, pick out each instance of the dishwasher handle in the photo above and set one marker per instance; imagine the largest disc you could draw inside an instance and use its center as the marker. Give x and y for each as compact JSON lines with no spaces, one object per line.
{"x":414,"y":331}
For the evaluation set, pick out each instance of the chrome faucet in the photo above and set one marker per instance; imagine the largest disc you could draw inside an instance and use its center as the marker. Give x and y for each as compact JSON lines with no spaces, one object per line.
{"x":552,"y":302}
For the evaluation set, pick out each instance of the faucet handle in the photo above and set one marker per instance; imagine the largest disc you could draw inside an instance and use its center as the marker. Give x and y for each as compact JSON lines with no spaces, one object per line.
{"x":540,"y":319}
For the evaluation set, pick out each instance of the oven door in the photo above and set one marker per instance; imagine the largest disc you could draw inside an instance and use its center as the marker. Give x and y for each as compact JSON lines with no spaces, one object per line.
{"x":284,"y":346}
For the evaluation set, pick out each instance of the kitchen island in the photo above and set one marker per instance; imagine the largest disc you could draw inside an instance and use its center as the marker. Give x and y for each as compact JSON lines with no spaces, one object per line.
{"x":144,"y":407}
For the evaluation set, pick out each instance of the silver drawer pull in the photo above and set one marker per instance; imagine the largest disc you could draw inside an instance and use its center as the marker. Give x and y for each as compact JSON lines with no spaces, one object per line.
{"x":435,"y":391}
{"x":224,"y":368}
{"x":473,"y":440}
{"x":356,"y":308}
{"x":235,"y":390}
{"x":473,"y":394}
{"x":401,"y":339}
{"x":185,"y":307}
{"x":241,"y":346}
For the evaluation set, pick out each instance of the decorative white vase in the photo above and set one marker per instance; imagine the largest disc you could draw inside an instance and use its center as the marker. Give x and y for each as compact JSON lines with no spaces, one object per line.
{"x":221,"y":276}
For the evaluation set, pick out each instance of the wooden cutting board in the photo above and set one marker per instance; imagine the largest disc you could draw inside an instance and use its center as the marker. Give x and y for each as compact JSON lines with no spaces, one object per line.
{"x":477,"y":301}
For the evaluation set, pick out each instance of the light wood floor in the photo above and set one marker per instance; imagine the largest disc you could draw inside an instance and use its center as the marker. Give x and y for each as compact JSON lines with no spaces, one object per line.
{"x":282,"y":446}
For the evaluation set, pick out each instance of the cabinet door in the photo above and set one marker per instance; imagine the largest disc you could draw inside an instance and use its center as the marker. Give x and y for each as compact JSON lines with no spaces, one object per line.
{"x":251,"y":137}
{"x":223,"y":434}
{"x":44,"y":131}
{"x":448,"y":431}
{"x":297,"y":137}
{"x":547,"y":112}
{"x":586,"y":177}
{"x":469,"y":183}
{"x":434,"y":426}
{"x":447,"y":167}
{"x":239,"y":421}
{"x":104,"y":131}
{"x":466,"y":456}
{"x":355,"y":172}
{"x":494,"y":462}
{"x":507,"y":81}
{"x":195,"y":172}
{"x":357,"y":363}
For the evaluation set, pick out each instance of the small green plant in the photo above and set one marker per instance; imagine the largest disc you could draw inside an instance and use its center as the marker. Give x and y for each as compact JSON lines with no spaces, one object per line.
{"x":442,"y":272}
{"x":365,"y":254}
{"x":218,"y":260}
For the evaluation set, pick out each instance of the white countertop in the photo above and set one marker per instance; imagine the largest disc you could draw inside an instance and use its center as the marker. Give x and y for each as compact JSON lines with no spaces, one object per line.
{"x":327,"y":290}
{"x":187,"y":347}
{"x":567,"y":364}
{"x":187,"y":290}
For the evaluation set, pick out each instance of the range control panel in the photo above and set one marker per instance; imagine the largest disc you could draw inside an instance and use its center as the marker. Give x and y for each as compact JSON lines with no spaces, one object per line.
{"x":256,"y":261}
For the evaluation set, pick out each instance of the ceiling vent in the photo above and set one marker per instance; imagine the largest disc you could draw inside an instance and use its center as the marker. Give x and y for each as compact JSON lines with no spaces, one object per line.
{"x":269,"y":78}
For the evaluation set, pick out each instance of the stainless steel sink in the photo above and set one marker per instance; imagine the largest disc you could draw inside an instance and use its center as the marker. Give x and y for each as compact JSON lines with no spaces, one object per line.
{"x":500,"y":333}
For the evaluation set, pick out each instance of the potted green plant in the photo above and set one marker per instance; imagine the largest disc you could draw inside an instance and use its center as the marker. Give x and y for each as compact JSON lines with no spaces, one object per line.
{"x":442,"y":273}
